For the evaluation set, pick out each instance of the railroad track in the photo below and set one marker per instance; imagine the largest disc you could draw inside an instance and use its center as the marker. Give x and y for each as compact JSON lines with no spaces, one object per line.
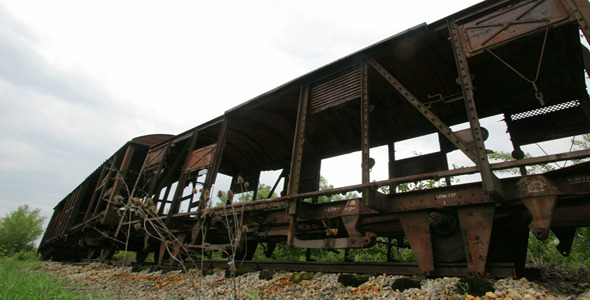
{"x":397,"y":268}
{"x":498,"y":270}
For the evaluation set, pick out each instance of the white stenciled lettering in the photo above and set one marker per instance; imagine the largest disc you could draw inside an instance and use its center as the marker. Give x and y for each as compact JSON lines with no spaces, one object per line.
{"x":446,"y":196}
{"x":578,"y":179}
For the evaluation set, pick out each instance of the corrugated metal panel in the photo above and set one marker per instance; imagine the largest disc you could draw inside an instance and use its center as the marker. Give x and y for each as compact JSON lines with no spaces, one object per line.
{"x":343,"y":87}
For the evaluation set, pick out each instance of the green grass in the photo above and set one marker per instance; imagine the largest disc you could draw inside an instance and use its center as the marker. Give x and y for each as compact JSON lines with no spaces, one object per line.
{"x":25,"y":279}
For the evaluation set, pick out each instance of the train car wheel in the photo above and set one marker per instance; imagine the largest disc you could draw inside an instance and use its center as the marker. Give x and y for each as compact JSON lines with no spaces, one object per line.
{"x":447,"y":241}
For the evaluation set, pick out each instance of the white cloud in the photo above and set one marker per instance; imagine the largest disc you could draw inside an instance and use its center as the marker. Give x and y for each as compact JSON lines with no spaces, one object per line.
{"x":17,"y":155}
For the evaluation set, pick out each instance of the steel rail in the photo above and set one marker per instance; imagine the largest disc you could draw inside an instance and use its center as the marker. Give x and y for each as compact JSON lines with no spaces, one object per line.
{"x":497,"y":270}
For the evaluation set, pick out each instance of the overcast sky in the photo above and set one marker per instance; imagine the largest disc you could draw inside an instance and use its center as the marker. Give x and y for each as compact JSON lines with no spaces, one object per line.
{"x":80,"y":78}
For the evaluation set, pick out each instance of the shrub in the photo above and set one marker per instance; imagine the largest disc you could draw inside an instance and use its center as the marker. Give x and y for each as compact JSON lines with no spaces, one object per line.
{"x":20,"y":229}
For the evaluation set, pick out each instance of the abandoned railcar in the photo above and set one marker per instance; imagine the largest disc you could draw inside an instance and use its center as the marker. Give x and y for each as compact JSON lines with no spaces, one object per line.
{"x":90,"y":208}
{"x":524,"y":60}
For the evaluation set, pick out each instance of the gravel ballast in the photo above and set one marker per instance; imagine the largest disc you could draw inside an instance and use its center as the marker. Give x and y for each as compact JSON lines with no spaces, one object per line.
{"x":120,"y":282}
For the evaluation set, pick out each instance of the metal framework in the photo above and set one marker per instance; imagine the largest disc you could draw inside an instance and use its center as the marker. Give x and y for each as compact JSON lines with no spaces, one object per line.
{"x":155,"y":193}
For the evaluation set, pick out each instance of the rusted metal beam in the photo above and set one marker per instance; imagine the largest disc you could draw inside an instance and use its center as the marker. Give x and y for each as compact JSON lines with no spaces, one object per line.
{"x":337,"y":243}
{"x":541,"y":159}
{"x":517,"y":153}
{"x":298,"y":141}
{"x":153,"y":186}
{"x":437,"y":198}
{"x":476,"y":224}
{"x":274,"y":187}
{"x":279,"y":202}
{"x":74,"y":203}
{"x":365,"y":146}
{"x":176,"y":246}
{"x":586,"y":58}
{"x":390,"y":166}
{"x":297,"y":159}
{"x":214,"y":166}
{"x":161,"y":159}
{"x":429,"y":115}
{"x":94,"y":197}
{"x":509,"y":22}
{"x":161,"y":178}
{"x":573,"y":183}
{"x":539,"y":196}
{"x":119,"y":180}
{"x":541,"y":208}
{"x":102,"y":187}
{"x":164,"y":200}
{"x":581,"y":11}
{"x":571,"y":216}
{"x":417,"y":230}
{"x":490,"y":182}
{"x":183,"y":177}
{"x":456,"y":172}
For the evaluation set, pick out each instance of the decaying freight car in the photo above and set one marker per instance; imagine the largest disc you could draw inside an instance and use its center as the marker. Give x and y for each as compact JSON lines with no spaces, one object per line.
{"x":91,"y":204}
{"x":523,"y":60}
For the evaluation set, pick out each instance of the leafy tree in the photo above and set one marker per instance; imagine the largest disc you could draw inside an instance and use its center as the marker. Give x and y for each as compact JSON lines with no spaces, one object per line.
{"x":582,"y":144}
{"x":324,"y":185}
{"x":20,"y":229}
{"x":262,"y":193}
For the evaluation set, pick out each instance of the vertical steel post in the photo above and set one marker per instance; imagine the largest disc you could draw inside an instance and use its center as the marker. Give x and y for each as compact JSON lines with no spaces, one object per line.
{"x":89,"y":209}
{"x":298,"y":142}
{"x":297,"y":159}
{"x":391,"y":155}
{"x":154,"y":184}
{"x":490,"y":182}
{"x":119,"y":179}
{"x":581,"y":10}
{"x":365,"y":144}
{"x":176,"y":199}
{"x":215,"y":162}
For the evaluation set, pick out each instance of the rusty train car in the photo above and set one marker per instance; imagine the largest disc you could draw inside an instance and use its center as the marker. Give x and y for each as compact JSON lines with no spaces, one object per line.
{"x":524,"y":60}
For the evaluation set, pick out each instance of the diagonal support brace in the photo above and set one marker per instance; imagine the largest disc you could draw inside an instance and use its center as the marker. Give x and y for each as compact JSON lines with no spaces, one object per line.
{"x":476,"y":154}
{"x":429,"y":115}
